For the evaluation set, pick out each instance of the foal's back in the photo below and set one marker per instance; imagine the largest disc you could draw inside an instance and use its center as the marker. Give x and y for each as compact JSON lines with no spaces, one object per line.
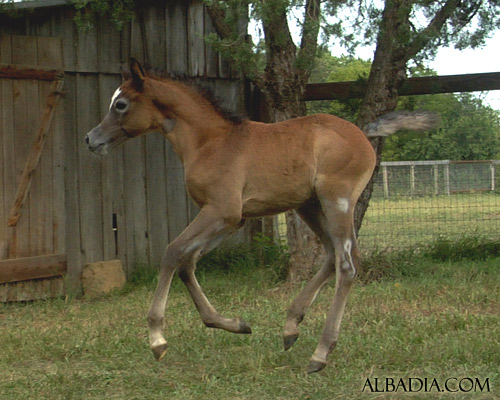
{"x":283,"y":162}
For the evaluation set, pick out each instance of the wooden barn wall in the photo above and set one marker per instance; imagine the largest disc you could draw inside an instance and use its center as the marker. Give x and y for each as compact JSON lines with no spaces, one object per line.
{"x":40,"y":228}
{"x":131,"y":203}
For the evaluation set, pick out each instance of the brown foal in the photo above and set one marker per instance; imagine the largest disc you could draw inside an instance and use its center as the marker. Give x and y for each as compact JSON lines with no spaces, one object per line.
{"x":317,"y":165}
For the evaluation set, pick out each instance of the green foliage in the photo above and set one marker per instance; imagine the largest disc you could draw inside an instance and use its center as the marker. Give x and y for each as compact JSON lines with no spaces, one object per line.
{"x":245,"y":57}
{"x":469,"y":130}
{"x":338,"y":69}
{"x":466,"y":248}
{"x":384,"y":264}
{"x":469,"y":25}
{"x":262,"y":253}
{"x":117,"y":12}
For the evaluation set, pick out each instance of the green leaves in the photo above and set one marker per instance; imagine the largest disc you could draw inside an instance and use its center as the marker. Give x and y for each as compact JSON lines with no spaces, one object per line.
{"x":469,"y":130}
{"x":118,"y":12}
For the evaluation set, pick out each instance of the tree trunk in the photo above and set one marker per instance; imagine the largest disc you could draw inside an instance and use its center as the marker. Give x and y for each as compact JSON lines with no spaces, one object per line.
{"x":387,"y":73}
{"x":282,"y":86}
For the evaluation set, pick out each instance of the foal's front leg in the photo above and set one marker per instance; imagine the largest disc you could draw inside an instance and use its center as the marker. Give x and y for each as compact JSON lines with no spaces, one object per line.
{"x":203,"y":234}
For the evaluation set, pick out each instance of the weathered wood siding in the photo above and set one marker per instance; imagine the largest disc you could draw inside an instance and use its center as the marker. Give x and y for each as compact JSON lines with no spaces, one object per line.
{"x":40,"y":229}
{"x":130,"y":204}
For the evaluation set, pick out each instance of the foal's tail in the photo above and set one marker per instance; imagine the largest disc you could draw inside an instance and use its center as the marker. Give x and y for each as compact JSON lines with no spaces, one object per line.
{"x":392,"y":122}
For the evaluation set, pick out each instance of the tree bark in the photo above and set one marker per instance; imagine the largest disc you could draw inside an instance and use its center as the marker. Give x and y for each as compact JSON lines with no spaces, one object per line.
{"x":388,"y":71}
{"x":285,"y":78}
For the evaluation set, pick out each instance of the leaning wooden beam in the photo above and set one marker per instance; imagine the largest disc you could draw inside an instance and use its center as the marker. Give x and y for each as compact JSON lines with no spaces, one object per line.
{"x":35,"y":152}
{"x":24,"y":72}
{"x":412,"y":86}
{"x":28,"y":268}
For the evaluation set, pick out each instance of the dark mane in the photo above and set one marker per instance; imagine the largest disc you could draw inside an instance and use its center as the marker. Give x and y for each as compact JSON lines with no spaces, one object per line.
{"x":201,"y":88}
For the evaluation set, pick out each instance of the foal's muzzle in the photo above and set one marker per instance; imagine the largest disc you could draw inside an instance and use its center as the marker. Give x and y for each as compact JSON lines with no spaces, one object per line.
{"x":99,"y":141}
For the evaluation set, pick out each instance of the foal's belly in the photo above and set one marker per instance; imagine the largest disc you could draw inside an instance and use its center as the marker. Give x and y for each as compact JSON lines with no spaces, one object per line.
{"x":269,"y":200}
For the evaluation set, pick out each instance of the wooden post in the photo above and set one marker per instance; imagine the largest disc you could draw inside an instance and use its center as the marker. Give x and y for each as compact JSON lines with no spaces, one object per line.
{"x":447,"y":179}
{"x":436,"y":179}
{"x":412,"y":180}
{"x":35,"y":152}
{"x":385,"y":179}
{"x":492,"y":175}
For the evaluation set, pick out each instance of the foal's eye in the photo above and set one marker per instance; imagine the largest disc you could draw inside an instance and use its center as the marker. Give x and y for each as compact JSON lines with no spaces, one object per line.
{"x":121,"y":105}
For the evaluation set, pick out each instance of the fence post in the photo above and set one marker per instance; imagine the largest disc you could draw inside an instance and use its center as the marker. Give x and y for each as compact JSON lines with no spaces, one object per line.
{"x":447,"y":178}
{"x":492,"y":175}
{"x":436,"y":179}
{"x":412,"y":180}
{"x":385,"y":181}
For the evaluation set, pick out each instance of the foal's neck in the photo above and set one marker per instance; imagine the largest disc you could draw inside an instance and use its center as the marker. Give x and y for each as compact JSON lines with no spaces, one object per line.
{"x":195,"y":120}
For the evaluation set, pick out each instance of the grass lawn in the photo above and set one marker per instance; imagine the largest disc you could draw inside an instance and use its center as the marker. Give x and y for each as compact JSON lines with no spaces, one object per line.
{"x":429,"y":320}
{"x":405,"y":222}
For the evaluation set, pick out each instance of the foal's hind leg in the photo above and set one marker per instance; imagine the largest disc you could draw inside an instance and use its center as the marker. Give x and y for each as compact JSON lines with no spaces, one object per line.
{"x":339,"y":214}
{"x":202,"y":235}
{"x":313,"y":215}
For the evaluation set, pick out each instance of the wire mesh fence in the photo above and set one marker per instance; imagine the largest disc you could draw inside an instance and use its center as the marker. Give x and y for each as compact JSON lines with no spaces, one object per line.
{"x":416,"y":202}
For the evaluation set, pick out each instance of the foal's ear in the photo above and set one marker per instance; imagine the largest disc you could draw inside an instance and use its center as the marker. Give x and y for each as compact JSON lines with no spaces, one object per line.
{"x":137,"y":73}
{"x":125,"y":71}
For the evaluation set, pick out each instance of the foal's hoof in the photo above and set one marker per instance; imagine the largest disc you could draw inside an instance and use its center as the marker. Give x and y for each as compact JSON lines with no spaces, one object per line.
{"x":244,"y":327}
{"x":159,"y":351}
{"x":289,"y":340}
{"x":315,"y":366}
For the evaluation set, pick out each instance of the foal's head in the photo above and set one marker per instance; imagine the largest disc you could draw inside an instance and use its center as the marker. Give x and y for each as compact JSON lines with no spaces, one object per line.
{"x":131,"y":114}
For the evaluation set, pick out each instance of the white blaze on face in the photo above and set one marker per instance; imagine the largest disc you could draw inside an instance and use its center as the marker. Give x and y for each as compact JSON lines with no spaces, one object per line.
{"x":115,"y":95}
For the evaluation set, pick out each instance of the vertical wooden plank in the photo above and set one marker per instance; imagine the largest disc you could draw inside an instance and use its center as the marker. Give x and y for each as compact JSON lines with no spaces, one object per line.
{"x":124,"y":44}
{"x":135,"y":202}
{"x":24,"y":50}
{"x":65,"y":27}
{"x":8,"y":151}
{"x":52,"y":185}
{"x":71,"y":188}
{"x":3,"y":227}
{"x":196,"y":43}
{"x":230,"y":94}
{"x":26,"y":118}
{"x":89,"y":170}
{"x":55,"y":53}
{"x":5,"y":128}
{"x":177,"y":207}
{"x":156,"y":196}
{"x":211,"y":56}
{"x":177,"y":54}
{"x":86,"y":52}
{"x":58,"y":196}
{"x":136,"y":44}
{"x":108,"y":48}
{"x":50,"y":53}
{"x":154,"y":31}
{"x":40,"y":196}
{"x":112,"y":182}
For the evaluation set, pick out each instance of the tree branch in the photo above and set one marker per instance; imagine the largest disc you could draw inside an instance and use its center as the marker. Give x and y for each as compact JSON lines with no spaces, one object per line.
{"x":433,"y":29}
{"x":218,"y":16}
{"x":277,"y":34}
{"x":309,"y":42}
